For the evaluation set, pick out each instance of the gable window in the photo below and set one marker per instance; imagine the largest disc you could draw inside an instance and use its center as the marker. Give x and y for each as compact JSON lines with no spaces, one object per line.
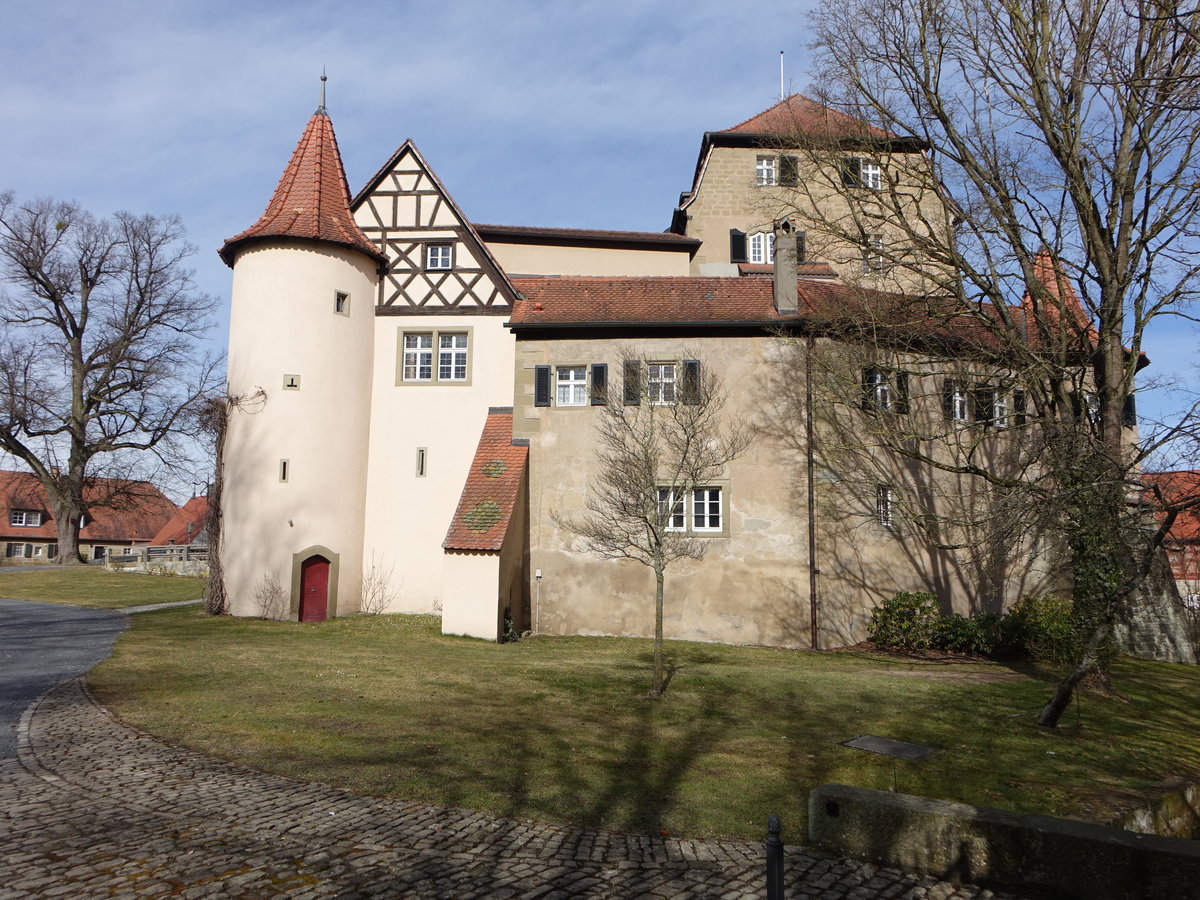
{"x":857,"y":172}
{"x":439,"y":257}
{"x":434,"y":357}
{"x":25,"y":518}
{"x":885,"y":506}
{"x":872,"y":255}
{"x":571,"y":386}
{"x":762,"y":248}
{"x":660,"y":383}
{"x":884,"y":390}
{"x":764,"y":171}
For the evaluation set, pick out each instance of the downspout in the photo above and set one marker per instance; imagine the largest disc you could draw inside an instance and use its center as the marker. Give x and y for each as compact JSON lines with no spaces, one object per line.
{"x":813,"y":571}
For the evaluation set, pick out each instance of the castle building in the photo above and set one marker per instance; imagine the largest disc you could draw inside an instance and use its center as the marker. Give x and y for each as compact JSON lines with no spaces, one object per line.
{"x":415,"y":397}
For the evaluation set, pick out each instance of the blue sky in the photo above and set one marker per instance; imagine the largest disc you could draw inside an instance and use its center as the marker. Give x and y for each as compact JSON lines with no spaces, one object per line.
{"x":533,"y":112}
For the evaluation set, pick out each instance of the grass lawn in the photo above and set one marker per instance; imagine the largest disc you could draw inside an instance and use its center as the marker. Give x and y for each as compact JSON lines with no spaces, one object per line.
{"x":97,"y":588}
{"x":559,"y":729}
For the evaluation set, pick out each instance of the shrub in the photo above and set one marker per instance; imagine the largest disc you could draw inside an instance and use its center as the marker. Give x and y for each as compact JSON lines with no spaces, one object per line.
{"x":906,"y":622}
{"x":975,"y":636}
{"x":1041,"y":628}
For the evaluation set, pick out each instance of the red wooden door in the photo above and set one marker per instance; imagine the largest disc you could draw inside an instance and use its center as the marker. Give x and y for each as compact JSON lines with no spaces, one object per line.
{"x":314,"y":589}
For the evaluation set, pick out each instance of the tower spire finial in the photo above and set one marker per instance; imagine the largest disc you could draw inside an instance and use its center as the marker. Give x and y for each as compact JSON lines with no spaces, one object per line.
{"x":321,"y":108}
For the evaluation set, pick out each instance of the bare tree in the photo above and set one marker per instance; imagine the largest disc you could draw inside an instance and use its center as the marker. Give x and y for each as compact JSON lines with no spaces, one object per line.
{"x":1064,"y":139}
{"x":98,"y":357}
{"x":657,"y":446}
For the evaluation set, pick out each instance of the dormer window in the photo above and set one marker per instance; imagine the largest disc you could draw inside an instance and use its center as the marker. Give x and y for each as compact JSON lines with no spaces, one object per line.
{"x":439,"y":257}
{"x":25,"y":518}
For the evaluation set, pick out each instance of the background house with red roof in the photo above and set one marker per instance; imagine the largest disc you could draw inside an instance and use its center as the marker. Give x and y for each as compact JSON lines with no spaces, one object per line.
{"x":414,"y":394}
{"x":120,"y":514}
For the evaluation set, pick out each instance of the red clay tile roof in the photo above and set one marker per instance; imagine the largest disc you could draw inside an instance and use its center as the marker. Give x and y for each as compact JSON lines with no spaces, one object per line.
{"x":138,"y":510}
{"x":804,"y":270}
{"x":586,"y":235}
{"x":490,"y":494}
{"x":1180,"y":487}
{"x":312,"y":200}
{"x":1049,"y":272}
{"x":799,"y":116}
{"x":186,"y":526}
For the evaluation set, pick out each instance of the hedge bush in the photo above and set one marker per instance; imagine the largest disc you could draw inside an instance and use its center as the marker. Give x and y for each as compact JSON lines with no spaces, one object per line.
{"x":974,"y":635}
{"x":1041,"y":628}
{"x":908,"y":621}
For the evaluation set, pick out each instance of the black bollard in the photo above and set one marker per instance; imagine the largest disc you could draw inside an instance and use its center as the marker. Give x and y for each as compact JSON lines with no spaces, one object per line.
{"x":774,"y":847}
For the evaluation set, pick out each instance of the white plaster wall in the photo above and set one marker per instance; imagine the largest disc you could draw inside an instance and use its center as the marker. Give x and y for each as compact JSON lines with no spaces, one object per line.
{"x":471,"y":585}
{"x":283,"y":322}
{"x":407,"y":515}
{"x":538,"y":259}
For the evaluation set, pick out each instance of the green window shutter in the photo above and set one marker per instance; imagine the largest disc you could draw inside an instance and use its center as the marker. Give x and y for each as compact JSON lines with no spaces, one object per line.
{"x":632,"y":388}
{"x":801,"y":248}
{"x":1019,"y":417}
{"x":737,"y":246}
{"x":900,"y":382}
{"x":691,"y":382}
{"x":1129,"y":411}
{"x":850,"y":169}
{"x":599,"y":384}
{"x":789,"y":171}
{"x":541,"y":386}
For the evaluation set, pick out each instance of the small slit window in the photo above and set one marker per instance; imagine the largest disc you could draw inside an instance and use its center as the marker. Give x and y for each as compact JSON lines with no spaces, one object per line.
{"x":285,"y":470}
{"x":422,"y":461}
{"x":341,"y":303}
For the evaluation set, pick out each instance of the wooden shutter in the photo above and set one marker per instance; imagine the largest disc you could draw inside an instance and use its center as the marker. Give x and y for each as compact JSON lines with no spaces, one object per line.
{"x":948,"y":388}
{"x":1129,"y":411}
{"x":801,"y":248}
{"x":632,"y":388}
{"x":869,"y":380}
{"x":984,"y":400}
{"x":737,"y":246}
{"x":851,"y":171}
{"x":691,"y":382}
{"x":1019,"y":417}
{"x":789,"y":170}
{"x":541,"y":386}
{"x":900,"y":384}
{"x":599,"y":384}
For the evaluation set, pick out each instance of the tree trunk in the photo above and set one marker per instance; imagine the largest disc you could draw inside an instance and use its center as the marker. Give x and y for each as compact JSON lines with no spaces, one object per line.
{"x":659,"y":684}
{"x":66,"y":521}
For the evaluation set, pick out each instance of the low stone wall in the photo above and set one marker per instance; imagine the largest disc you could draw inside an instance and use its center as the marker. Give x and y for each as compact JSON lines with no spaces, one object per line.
{"x":1173,"y":810}
{"x":980,"y":845}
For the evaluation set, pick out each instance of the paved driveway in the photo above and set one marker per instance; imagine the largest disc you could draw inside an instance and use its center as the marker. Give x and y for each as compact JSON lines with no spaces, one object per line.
{"x":91,"y":808}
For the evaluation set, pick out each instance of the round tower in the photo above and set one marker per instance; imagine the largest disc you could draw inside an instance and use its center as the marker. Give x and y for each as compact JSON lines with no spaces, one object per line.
{"x":299,"y":382}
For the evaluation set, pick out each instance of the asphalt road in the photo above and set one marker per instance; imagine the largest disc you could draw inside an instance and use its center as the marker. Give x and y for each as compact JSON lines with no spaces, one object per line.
{"x":42,"y":644}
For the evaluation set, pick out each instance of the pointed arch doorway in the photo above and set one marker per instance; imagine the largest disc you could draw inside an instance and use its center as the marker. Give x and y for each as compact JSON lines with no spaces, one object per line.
{"x":314,"y":589}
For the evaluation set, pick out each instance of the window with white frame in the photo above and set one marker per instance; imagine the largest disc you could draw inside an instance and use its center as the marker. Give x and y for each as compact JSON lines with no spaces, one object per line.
{"x":706,"y":509}
{"x":765,"y":171}
{"x":439,"y":256}
{"x":418,"y":357}
{"x":700,"y":510}
{"x":660,"y":383}
{"x":999,"y":409}
{"x":957,"y":402}
{"x":25,"y":518}
{"x":857,"y":172}
{"x":885,"y":512}
{"x":872,"y":255}
{"x":762,"y":248}
{"x":670,"y":507}
{"x":452,"y":357}
{"x":571,"y":386}
{"x":434,"y":357}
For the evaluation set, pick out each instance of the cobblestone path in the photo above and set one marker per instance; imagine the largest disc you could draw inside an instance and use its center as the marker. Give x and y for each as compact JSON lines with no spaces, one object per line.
{"x":92,"y":808}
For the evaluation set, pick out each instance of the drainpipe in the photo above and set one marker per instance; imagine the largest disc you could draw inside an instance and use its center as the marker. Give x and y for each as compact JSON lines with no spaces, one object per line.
{"x":813,"y":571}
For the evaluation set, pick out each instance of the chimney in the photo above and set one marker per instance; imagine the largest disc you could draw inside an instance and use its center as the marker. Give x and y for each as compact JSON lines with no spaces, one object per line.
{"x":785,"y":268}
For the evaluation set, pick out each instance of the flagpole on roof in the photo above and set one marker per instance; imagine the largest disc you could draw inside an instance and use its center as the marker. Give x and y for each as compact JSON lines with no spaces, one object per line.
{"x":781,"y":95}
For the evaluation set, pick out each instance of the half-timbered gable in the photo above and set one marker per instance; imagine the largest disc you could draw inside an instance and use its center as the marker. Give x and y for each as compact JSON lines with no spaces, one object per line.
{"x":436,"y":262}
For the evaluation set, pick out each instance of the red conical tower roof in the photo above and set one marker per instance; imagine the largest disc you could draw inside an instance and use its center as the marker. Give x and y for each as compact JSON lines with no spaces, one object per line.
{"x":312,"y":201}
{"x":1062,"y":301}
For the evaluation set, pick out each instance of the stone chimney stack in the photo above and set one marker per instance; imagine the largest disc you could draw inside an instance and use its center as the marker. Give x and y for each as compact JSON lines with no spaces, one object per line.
{"x":785,"y":268}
